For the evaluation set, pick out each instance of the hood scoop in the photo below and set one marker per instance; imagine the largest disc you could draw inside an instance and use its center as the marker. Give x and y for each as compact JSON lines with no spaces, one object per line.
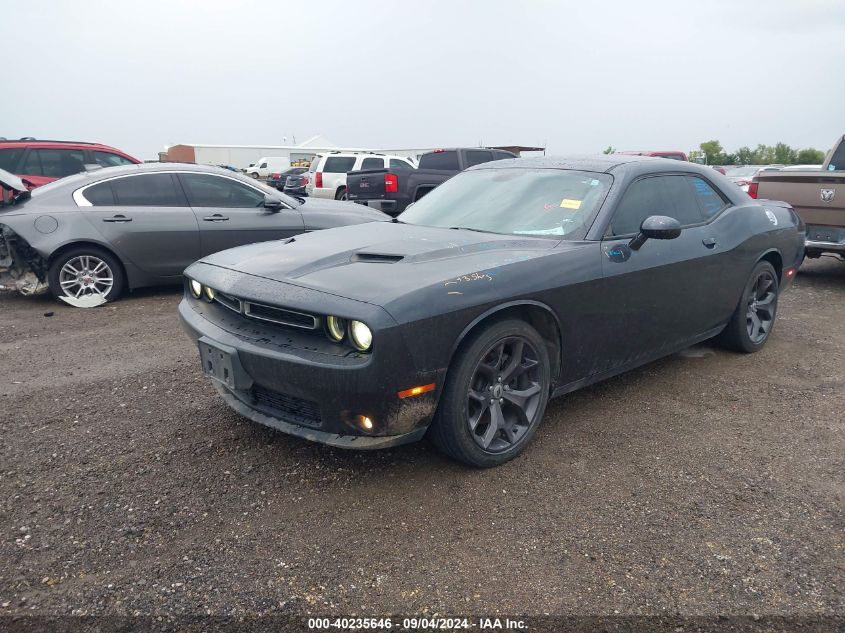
{"x":377,"y":258}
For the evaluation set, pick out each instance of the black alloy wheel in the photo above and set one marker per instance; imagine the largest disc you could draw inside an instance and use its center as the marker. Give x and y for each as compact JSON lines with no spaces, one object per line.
{"x":761,"y":305}
{"x":754,"y":317}
{"x":495,"y":394}
{"x":504,"y":394}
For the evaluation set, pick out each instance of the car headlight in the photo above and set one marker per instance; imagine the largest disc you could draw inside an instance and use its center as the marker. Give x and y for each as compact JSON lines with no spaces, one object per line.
{"x":196,"y":288}
{"x":336,"y":328}
{"x":209,"y":293}
{"x":360,"y":335}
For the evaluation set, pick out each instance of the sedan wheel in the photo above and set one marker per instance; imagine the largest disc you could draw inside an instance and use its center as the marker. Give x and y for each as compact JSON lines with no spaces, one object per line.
{"x":86,"y":275}
{"x":84,"y":271}
{"x":495,"y":395}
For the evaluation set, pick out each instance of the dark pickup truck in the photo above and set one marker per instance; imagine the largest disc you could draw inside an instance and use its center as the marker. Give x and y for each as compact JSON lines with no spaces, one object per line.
{"x":391,"y":191}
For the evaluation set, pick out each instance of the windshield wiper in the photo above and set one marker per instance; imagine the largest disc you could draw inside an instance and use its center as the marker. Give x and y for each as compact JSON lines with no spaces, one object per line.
{"x":469,"y":228}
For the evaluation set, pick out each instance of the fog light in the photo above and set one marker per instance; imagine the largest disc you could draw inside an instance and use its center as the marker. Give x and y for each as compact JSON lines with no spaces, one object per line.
{"x":196,"y":288}
{"x":365,"y":422}
{"x":360,"y":335}
{"x":209,"y":293}
{"x":336,"y":328}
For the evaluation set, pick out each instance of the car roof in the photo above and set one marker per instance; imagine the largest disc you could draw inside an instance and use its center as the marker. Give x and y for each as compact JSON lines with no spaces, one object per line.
{"x":86,"y":177}
{"x":49,"y":143}
{"x":598,"y":162}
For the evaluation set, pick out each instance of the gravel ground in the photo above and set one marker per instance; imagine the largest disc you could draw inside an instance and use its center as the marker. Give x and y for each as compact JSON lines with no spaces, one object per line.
{"x":706,"y":483}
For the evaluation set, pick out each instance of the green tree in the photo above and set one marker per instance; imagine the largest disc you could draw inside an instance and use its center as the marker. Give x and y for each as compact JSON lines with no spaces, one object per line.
{"x":610,"y":150}
{"x":744,"y":156}
{"x":784,"y":154}
{"x":713,"y":152}
{"x":809,"y":156}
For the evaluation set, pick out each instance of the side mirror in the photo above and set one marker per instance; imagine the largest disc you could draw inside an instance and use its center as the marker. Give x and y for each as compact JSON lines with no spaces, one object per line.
{"x":273,"y":205}
{"x":656,"y":227}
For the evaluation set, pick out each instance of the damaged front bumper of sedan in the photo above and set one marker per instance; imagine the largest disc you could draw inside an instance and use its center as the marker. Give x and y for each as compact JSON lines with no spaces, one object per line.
{"x":22,"y":268}
{"x":295,"y":379}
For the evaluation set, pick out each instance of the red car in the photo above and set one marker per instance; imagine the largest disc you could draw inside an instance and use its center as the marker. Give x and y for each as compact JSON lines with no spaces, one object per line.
{"x":40,"y":162}
{"x":673,"y":154}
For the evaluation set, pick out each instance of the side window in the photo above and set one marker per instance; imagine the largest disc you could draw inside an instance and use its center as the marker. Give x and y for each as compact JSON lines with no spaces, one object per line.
{"x":32,"y":165}
{"x":107,"y":159}
{"x":476,"y":157}
{"x":709,"y":200}
{"x":100,"y":195}
{"x":339,"y":164}
{"x":372,"y":163}
{"x":58,"y":163}
{"x":395,"y":163}
{"x":502,"y":156}
{"x":147,"y":190}
{"x":679,"y":201}
{"x":440,"y":160}
{"x":205,"y":190}
{"x":262,"y":166}
{"x":9,"y":159}
{"x":642,"y":199}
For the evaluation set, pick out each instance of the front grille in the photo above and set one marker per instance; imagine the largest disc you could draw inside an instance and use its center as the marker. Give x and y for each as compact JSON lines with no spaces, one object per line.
{"x":280,"y":315}
{"x":233,"y":303}
{"x":287,"y":408}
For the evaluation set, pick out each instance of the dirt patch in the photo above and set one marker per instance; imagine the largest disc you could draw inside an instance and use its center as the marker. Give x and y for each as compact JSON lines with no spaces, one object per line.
{"x":705,"y":483}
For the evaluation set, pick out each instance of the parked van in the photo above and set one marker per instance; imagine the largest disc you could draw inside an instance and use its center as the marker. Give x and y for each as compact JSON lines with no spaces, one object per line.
{"x":263,"y":167}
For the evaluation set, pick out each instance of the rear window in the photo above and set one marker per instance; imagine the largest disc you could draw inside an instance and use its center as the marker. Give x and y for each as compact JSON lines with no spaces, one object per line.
{"x":440,"y":160}
{"x":314,"y":164}
{"x":372,"y":163}
{"x":107,"y":159}
{"x":837,"y":161}
{"x":9,"y":159}
{"x":339,"y":164}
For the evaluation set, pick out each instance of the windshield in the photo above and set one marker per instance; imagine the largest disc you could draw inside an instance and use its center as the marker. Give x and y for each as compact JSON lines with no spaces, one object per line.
{"x":740,"y":172}
{"x":541,"y":202}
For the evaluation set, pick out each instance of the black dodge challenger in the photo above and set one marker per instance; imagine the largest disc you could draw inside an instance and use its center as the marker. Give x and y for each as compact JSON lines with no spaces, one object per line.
{"x":514,"y":282}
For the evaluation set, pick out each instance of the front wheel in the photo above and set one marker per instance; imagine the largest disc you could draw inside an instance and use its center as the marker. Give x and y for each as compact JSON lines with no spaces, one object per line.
{"x":754,"y":317}
{"x":254,"y":175}
{"x":495,"y":395}
{"x":84,"y":271}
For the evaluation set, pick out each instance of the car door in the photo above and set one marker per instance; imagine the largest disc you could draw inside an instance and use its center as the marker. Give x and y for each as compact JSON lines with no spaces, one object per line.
{"x":231,"y":213}
{"x":652,"y":297}
{"x":146,"y":220}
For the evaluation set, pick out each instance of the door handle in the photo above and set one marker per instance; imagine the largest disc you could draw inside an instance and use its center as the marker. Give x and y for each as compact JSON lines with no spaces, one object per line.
{"x":215,"y":218}
{"x":117,"y":218}
{"x":709,"y":242}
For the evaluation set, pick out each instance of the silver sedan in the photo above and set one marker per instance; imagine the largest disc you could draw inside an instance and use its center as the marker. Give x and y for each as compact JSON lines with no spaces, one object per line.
{"x":91,"y":236}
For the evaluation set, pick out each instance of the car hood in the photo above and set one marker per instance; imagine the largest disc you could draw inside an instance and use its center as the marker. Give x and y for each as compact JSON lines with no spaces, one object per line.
{"x":380,"y":261}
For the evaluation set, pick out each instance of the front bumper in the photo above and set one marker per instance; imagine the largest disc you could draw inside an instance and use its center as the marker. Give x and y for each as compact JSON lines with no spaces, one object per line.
{"x":282,"y":379}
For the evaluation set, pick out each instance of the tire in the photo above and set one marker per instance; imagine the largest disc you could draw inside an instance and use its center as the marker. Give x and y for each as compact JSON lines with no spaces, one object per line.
{"x":99,"y":262}
{"x":754,"y":318}
{"x":254,"y":175}
{"x":465,"y":416}
{"x":341,"y":194}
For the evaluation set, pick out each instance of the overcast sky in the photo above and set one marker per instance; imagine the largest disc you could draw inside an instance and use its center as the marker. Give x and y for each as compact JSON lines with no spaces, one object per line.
{"x":578,"y":76}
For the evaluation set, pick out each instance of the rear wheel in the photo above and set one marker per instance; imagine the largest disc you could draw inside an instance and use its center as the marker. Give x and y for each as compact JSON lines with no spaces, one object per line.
{"x":495,"y":395}
{"x":341,"y":195}
{"x":86,"y":270}
{"x":754,"y":318}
